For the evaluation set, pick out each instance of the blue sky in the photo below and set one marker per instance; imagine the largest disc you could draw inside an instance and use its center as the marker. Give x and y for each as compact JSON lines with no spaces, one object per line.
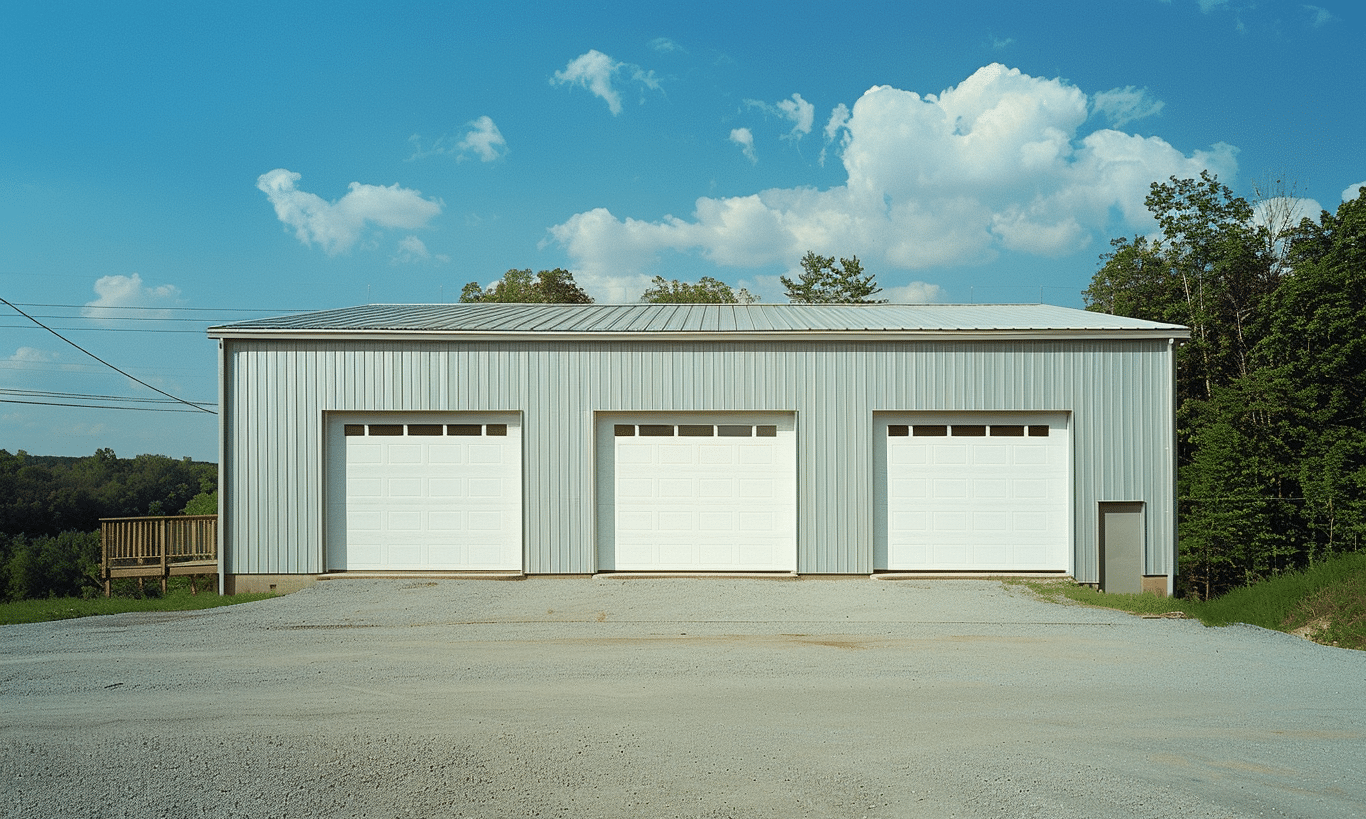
{"x":167,"y":167}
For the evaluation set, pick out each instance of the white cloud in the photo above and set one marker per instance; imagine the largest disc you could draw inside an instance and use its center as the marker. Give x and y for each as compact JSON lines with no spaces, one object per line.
{"x":114,"y":294}
{"x":997,"y":163}
{"x":912,"y":293}
{"x":1352,"y":191}
{"x":1280,"y":212}
{"x":1124,"y":105}
{"x":1210,"y":5}
{"x":412,"y":250}
{"x":33,"y":355}
{"x":595,"y":71}
{"x":838,"y":122}
{"x":802,"y":114}
{"x":483,"y":140}
{"x":745,"y":139}
{"x":664,"y":46}
{"x":798,"y":111}
{"x":337,"y":226}
{"x":1319,"y":16}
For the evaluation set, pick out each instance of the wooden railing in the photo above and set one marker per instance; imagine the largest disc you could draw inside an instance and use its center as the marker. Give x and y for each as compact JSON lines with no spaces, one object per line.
{"x":158,"y":547}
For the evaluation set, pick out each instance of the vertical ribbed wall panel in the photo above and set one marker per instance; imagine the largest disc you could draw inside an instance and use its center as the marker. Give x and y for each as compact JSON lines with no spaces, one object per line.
{"x":1118,"y":394}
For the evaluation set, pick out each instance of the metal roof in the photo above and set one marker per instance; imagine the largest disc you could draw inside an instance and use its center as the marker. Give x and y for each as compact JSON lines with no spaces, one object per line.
{"x":699,"y":320}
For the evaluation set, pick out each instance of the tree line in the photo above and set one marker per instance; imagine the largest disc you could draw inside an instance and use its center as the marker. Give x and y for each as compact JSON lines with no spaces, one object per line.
{"x":50,"y":510}
{"x":822,"y":281}
{"x":1270,"y":386}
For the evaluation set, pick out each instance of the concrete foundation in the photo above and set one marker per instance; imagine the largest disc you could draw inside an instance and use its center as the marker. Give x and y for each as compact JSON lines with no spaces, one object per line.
{"x":263,"y":583}
{"x":1155,"y":584}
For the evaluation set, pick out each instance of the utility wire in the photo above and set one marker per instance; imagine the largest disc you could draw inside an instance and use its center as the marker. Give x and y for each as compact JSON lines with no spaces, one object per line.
{"x":103,"y":406}
{"x":167,"y":309}
{"x":106,"y":363}
{"x":95,"y":396}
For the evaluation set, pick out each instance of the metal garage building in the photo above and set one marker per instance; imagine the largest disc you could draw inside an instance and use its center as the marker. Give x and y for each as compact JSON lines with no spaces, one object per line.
{"x":816,"y":439}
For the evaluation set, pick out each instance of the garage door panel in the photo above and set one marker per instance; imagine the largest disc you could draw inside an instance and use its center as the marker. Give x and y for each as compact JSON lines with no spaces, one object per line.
{"x":996,"y":498}
{"x":365,"y":487}
{"x":448,"y":454}
{"x":414,"y":494}
{"x":701,"y":497}
{"x":404,"y":488}
{"x":676,"y":488}
{"x":668,"y":454}
{"x":404,"y":454}
{"x":446,"y":488}
{"x":358,"y":453}
{"x":713,"y":455}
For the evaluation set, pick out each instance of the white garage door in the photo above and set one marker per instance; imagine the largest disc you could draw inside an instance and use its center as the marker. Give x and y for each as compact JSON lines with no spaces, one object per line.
{"x":700,"y":494}
{"x":977,"y":492}
{"x":425,"y":492}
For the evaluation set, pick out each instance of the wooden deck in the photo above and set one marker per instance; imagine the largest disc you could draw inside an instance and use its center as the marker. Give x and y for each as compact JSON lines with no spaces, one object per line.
{"x":158,"y":547}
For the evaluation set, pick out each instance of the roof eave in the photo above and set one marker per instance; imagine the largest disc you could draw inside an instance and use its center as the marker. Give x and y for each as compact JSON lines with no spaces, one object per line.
{"x":1080,"y":334}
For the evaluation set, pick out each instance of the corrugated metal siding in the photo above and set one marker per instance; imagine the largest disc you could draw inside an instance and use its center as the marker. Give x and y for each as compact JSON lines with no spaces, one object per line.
{"x":1119,"y":394}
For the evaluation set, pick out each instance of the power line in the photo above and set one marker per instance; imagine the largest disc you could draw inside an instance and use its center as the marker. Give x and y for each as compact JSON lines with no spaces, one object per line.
{"x":168,"y":309}
{"x":105,"y":329}
{"x":106,"y":363}
{"x":96,"y":396}
{"x":104,"y":406}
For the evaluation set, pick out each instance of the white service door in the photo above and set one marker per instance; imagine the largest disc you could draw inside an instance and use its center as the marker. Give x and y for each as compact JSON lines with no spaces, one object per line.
{"x":696,"y":496}
{"x":977,"y":492}
{"x":425,"y":493}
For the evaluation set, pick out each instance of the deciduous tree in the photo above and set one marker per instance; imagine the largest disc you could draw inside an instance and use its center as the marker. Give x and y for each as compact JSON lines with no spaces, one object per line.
{"x":705,"y":291}
{"x":520,"y":286}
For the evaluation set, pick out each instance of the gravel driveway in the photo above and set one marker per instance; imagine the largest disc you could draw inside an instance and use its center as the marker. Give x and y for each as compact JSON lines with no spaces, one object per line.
{"x":673,"y":698}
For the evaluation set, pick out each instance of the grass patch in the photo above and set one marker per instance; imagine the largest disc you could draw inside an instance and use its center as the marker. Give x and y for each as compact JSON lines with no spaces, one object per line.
{"x":1326,"y":602}
{"x":66,"y":608}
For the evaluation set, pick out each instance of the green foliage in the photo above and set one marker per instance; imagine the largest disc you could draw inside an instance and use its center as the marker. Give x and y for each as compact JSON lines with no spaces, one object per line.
{"x":1326,"y":600}
{"x":205,"y":503}
{"x":66,"y":608}
{"x":67,"y":564}
{"x":705,"y":291}
{"x":824,"y":282}
{"x":521,"y":287}
{"x":50,"y":509}
{"x":1270,"y":387}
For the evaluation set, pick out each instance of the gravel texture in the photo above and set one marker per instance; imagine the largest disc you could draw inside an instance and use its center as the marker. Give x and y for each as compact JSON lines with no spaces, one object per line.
{"x":673,"y":698}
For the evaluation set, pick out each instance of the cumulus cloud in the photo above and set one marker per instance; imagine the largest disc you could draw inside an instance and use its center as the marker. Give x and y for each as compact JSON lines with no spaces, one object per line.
{"x":33,"y":355}
{"x":913,"y":293}
{"x":1124,"y":105}
{"x":838,"y":122}
{"x":337,"y":226}
{"x":115,"y":294}
{"x":596,"y":71}
{"x":998,"y":163}
{"x":798,"y":111}
{"x":482,"y":140}
{"x":745,"y":139}
{"x":1281,"y":212}
{"x":1352,"y":191}
{"x":412,"y":250}
{"x":665,"y":46}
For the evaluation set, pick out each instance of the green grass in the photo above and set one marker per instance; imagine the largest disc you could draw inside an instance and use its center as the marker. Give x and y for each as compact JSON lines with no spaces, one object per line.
{"x":1328,"y":599}
{"x":65,"y":608}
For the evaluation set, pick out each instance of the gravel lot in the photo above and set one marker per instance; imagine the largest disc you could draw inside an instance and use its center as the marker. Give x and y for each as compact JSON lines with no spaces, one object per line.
{"x":673,"y":698}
